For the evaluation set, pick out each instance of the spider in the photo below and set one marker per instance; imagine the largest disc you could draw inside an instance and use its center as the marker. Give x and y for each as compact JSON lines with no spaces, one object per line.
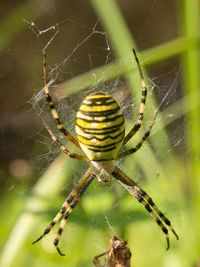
{"x":100,"y":132}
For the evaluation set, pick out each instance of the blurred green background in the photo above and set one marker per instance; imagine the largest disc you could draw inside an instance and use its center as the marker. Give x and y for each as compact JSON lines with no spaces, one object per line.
{"x":35,"y":178}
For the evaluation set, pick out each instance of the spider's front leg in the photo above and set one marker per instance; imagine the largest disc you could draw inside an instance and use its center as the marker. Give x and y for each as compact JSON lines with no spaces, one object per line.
{"x":68,"y":207}
{"x":140,"y":119}
{"x":52,"y":107}
{"x":142,"y":197}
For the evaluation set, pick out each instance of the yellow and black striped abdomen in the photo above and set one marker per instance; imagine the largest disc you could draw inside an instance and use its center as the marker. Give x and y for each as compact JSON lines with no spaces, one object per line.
{"x":100,"y":127}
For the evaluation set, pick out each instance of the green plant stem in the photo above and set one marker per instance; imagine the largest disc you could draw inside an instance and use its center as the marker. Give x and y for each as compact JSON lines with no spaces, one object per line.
{"x":108,"y":72}
{"x":191,"y":59}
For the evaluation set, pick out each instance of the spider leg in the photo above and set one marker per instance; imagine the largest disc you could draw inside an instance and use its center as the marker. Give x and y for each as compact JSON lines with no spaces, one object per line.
{"x":142,"y":103}
{"x":63,"y":148}
{"x":68,"y":207}
{"x":138,"y":146}
{"x":52,"y":108}
{"x":142,"y":197}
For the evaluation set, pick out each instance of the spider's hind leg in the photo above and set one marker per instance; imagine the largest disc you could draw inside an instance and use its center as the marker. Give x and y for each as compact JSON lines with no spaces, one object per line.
{"x":51,"y":225}
{"x":156,"y":214}
{"x":142,"y":197}
{"x":160,"y":214}
{"x":68,"y":207}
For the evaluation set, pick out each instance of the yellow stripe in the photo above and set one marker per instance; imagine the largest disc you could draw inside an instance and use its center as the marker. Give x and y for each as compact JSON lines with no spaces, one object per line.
{"x":99,"y":125}
{"x":95,"y":142}
{"x":98,"y":108}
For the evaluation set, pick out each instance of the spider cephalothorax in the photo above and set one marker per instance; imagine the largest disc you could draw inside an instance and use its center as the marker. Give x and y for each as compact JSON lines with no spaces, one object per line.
{"x":100,"y":135}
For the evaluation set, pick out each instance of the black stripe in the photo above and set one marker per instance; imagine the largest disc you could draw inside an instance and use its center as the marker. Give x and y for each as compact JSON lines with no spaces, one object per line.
{"x":150,"y":201}
{"x":63,"y":209}
{"x":143,"y":100}
{"x":164,"y":229}
{"x":136,"y":127}
{"x":144,"y":92}
{"x":103,"y":146}
{"x":62,"y":130}
{"x":73,"y":204}
{"x":60,"y":231}
{"x":100,"y":113}
{"x":105,"y":150}
{"x":102,"y":139}
{"x":159,"y":222}
{"x":102,"y":159}
{"x":69,"y":199}
{"x":165,"y":220}
{"x":48,"y":229}
{"x":57,"y":120}
{"x":99,"y":99}
{"x":148,"y":208}
{"x":55,"y":242}
{"x":51,"y":105}
{"x":48,"y":98}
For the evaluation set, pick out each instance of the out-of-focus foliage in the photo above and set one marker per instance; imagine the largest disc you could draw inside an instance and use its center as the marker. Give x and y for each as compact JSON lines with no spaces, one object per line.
{"x":32,"y":181}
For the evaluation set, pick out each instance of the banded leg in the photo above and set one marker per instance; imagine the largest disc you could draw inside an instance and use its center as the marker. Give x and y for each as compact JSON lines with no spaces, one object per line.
{"x":52,"y":108}
{"x":142,"y":103}
{"x":68,"y":207}
{"x":142,"y":197}
{"x":138,"y":146}
{"x":63,"y":148}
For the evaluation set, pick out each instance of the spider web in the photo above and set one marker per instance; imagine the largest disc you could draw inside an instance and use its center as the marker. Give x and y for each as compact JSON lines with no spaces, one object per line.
{"x":68,"y":106}
{"x":66,"y":68}
{"x":94,"y":49}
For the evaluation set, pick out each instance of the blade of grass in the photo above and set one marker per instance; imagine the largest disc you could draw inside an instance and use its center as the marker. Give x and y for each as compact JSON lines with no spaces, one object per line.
{"x":120,"y":37}
{"x":111,"y":71}
{"x":123,"y":43}
{"x":190,"y":27}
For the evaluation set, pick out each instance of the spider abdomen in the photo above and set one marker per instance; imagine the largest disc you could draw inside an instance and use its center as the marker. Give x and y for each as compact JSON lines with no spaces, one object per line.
{"x":100,"y":127}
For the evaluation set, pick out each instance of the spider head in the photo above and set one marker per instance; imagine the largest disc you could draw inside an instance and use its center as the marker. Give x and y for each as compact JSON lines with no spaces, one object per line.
{"x":103,"y":170}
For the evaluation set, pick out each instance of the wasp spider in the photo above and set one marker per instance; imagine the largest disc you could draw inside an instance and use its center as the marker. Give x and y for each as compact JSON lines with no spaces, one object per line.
{"x":100,"y":133}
